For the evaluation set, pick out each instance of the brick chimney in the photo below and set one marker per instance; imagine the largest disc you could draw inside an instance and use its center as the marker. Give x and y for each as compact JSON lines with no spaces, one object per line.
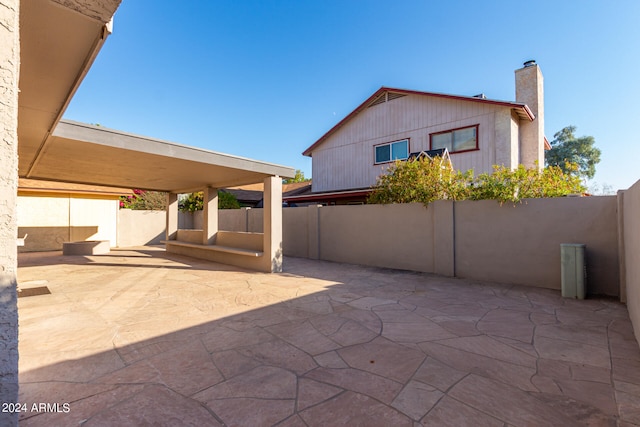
{"x":530,"y":91}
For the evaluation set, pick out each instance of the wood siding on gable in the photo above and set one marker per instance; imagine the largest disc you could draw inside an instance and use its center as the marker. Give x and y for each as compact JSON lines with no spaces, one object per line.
{"x":346,"y":159}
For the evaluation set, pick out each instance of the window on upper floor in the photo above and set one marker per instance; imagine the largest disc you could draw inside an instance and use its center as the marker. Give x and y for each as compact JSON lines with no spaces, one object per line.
{"x":456,"y":140}
{"x":397,"y":150}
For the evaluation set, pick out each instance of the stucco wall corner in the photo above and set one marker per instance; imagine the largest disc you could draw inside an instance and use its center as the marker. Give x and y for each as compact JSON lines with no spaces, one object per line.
{"x":8,"y":341}
{"x":631,"y":268}
{"x":9,"y":74}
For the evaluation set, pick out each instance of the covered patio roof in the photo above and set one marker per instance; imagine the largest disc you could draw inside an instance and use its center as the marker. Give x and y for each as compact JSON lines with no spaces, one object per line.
{"x":88,"y":154}
{"x":59,"y":42}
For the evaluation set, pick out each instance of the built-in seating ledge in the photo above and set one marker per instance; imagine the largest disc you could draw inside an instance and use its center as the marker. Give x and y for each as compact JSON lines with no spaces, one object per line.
{"x":216,"y":248}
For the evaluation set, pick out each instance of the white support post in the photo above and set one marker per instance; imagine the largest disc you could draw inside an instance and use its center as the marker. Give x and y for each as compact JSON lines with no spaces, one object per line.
{"x":272,"y":221}
{"x":210,"y":216}
{"x":172,"y":216}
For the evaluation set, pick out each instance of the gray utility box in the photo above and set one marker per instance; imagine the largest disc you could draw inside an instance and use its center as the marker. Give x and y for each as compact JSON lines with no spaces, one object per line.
{"x":574,"y":270}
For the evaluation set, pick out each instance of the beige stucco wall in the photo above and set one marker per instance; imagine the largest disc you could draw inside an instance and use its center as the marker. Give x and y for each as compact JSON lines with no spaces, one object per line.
{"x":233,"y":219}
{"x":51,"y":220}
{"x":189,"y":236}
{"x":137,"y":228}
{"x":84,"y":214}
{"x":481,"y":240}
{"x":393,"y":236}
{"x":631,"y":230}
{"x":45,"y":220}
{"x":190,"y":220}
{"x":478,"y":240}
{"x":521,"y":244}
{"x":255,"y":221}
{"x":140,"y":227}
{"x":295,"y":232}
{"x":9,"y":73}
{"x":241,"y":240}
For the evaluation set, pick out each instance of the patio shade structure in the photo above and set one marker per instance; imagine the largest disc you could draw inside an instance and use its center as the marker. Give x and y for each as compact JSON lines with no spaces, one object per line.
{"x":58,"y":45}
{"x":87,"y":154}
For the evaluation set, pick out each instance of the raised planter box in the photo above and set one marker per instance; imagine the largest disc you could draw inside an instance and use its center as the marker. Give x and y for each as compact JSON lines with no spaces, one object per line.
{"x":87,"y":247}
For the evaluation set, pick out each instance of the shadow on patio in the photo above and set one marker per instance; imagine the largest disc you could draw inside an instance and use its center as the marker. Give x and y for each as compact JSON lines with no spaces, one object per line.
{"x":187,"y":342}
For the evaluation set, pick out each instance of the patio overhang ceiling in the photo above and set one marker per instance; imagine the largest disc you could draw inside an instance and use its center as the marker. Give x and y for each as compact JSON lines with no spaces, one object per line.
{"x":60,"y":39}
{"x":88,"y":154}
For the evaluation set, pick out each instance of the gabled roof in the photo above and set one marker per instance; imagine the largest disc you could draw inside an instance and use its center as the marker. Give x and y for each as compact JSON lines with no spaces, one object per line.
{"x":521,"y":109}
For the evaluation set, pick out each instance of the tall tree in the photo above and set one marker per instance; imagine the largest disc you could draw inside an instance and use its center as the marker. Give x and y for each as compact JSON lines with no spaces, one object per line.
{"x":299,"y":177}
{"x":566,"y":147}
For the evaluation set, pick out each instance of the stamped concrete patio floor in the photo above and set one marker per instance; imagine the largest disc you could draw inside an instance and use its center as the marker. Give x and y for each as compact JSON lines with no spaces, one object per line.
{"x":142,"y":337}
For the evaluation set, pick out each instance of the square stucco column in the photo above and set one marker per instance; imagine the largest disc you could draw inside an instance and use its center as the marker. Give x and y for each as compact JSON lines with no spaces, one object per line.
{"x":9,"y":72}
{"x":272,"y":220}
{"x":172,"y":216}
{"x":210,"y":216}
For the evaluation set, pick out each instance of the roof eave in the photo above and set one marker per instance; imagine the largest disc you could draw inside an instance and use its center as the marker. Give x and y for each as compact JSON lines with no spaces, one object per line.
{"x":361,"y":107}
{"x":331,"y":195}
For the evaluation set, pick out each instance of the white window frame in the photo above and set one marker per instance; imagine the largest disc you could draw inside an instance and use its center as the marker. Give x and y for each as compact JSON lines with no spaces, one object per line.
{"x":390,"y":145}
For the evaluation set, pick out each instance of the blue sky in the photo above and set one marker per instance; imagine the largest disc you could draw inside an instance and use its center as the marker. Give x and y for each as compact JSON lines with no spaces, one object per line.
{"x":266,"y":79}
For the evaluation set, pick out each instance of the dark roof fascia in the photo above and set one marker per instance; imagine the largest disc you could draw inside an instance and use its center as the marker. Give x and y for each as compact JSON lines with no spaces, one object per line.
{"x":328,"y":195}
{"x":514,"y":105}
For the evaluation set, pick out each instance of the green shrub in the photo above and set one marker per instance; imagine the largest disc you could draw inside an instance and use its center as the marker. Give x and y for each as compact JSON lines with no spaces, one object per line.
{"x":508,"y":185}
{"x":424,"y":180}
{"x":144,"y":200}
{"x":195,"y":202}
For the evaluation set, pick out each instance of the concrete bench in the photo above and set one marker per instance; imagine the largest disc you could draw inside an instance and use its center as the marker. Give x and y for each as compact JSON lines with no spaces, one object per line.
{"x":215,"y":248}
{"x":232,"y":242}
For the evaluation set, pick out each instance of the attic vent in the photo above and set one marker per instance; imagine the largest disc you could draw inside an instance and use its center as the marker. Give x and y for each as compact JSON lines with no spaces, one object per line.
{"x":393,"y":95}
{"x":379,"y":100}
{"x":387,"y":96}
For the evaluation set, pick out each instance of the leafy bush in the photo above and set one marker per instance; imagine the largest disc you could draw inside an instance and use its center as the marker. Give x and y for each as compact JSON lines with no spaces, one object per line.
{"x":144,"y":200}
{"x":424,"y":180}
{"x":195,"y":202}
{"x":508,"y":185}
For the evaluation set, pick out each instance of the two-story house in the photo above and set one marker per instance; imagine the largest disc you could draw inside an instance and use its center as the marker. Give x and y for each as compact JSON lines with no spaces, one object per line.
{"x":393,"y":123}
